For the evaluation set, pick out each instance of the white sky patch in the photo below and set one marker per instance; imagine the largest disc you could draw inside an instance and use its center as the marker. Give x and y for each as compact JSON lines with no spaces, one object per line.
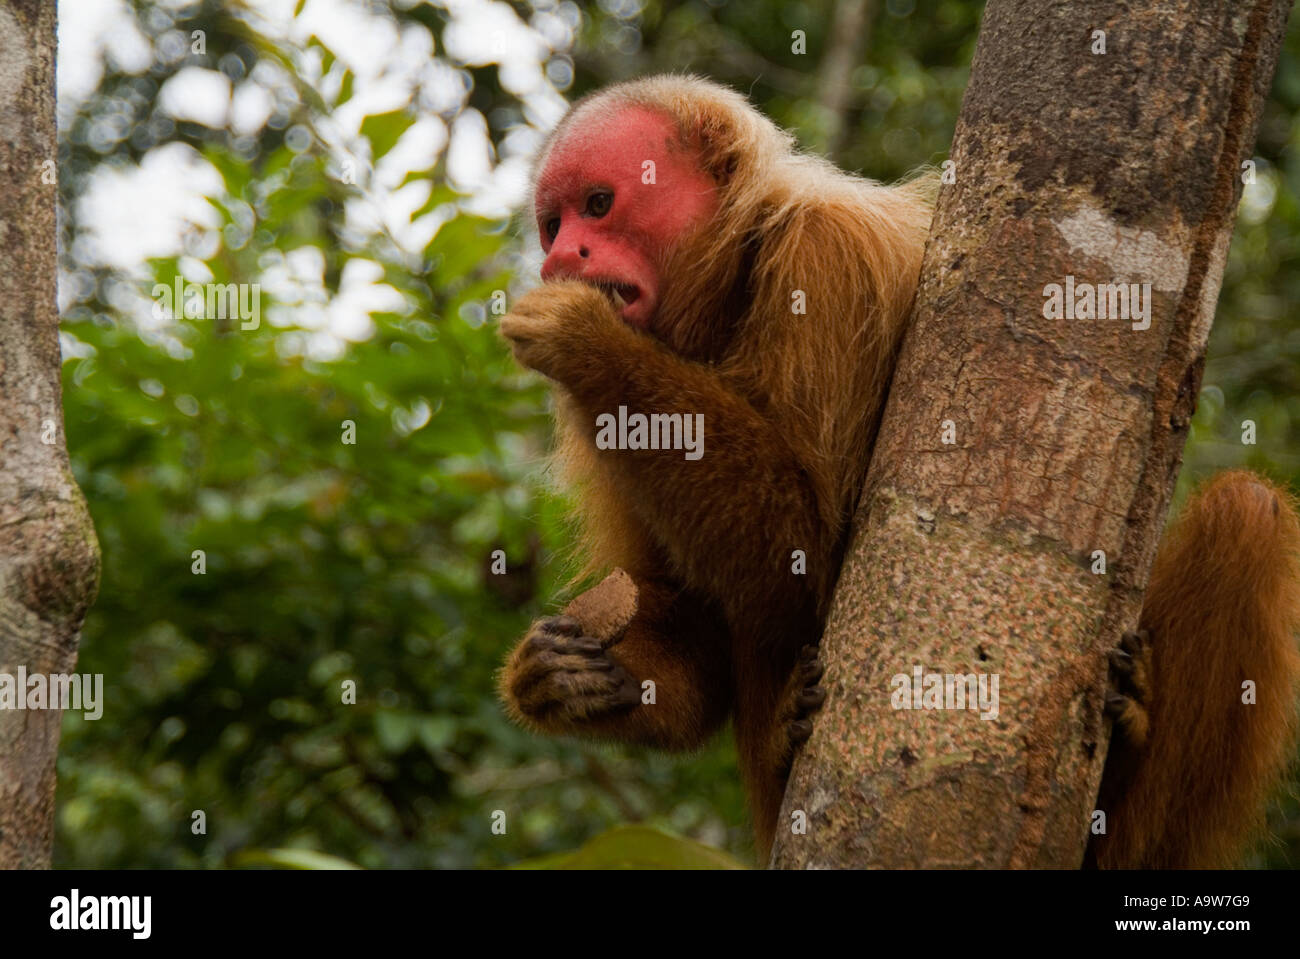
{"x":131,"y":214}
{"x":250,"y":108}
{"x":194,"y":269}
{"x":296,"y":283}
{"x":506,"y":190}
{"x":90,"y":31}
{"x":364,"y":43}
{"x":1257,"y":198}
{"x":485,"y":31}
{"x":399,"y":205}
{"x":360,"y":294}
{"x":417,"y":149}
{"x":194,"y":93}
{"x":469,"y":158}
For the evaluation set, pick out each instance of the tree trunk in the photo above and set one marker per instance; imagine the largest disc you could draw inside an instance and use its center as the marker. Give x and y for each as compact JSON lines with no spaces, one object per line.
{"x":49,"y":558}
{"x":977,"y":556}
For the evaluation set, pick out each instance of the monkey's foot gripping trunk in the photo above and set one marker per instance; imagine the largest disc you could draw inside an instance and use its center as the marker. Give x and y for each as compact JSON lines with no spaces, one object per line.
{"x":1222,"y":609}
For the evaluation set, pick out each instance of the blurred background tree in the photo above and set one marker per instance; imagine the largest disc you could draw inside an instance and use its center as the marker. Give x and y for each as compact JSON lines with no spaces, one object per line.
{"x":359,"y":161}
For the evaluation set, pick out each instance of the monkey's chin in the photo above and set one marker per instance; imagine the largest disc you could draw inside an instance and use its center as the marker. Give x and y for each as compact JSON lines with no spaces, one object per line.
{"x":635,"y":314}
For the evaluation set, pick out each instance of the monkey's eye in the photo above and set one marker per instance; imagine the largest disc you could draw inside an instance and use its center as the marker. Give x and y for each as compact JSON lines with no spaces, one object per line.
{"x":598,"y":204}
{"x":552,"y":227}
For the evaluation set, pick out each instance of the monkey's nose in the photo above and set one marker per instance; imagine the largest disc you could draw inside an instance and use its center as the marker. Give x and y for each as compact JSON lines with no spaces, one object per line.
{"x":583,"y":252}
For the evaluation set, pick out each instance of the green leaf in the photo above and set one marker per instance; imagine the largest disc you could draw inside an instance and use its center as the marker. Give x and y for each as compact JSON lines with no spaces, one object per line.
{"x":637,"y":847}
{"x":383,"y":130}
{"x":437,"y":732}
{"x":440,"y":194}
{"x":291,"y":859}
{"x":327,"y":55}
{"x":395,"y":731}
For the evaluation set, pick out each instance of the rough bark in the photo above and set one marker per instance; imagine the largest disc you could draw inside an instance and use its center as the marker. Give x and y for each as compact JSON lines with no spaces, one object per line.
{"x":976,"y":557}
{"x":49,"y":558}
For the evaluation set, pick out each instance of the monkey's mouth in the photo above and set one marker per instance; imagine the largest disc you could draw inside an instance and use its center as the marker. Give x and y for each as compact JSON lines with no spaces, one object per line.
{"x":620,"y":294}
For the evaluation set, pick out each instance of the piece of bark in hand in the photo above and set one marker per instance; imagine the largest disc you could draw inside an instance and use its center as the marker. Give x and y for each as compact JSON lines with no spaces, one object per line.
{"x":606,"y":609}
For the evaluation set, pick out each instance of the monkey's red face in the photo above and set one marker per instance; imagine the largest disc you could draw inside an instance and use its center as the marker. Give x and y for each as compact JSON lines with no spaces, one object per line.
{"x":612,"y":199}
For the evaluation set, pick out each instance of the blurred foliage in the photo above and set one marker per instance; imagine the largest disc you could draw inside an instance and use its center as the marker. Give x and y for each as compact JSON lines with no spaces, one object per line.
{"x":328,"y":562}
{"x":637,"y":847}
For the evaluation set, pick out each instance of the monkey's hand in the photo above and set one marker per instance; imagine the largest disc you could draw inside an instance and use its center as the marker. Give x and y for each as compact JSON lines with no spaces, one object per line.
{"x":803,"y":698}
{"x":1129,"y":688}
{"x":553,"y":328}
{"x":558,"y":679}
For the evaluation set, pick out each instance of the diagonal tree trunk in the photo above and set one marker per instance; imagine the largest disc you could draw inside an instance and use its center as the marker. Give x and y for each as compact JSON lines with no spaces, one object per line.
{"x":49,"y":558}
{"x":976,"y":556}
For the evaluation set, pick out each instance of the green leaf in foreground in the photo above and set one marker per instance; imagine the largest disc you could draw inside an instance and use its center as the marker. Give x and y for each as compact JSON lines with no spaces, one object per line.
{"x":291,"y":859}
{"x":637,"y":847}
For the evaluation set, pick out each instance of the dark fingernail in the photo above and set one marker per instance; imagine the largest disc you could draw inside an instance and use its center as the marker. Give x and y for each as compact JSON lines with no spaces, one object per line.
{"x":566,"y":625}
{"x":583,"y":646}
{"x":812,"y":697}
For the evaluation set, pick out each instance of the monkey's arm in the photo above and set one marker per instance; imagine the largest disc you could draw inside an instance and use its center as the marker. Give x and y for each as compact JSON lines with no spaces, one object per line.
{"x":729,"y":520}
{"x":565,"y":679}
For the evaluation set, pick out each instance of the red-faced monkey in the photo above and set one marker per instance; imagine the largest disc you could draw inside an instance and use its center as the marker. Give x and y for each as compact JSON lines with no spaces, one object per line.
{"x":681,"y":228}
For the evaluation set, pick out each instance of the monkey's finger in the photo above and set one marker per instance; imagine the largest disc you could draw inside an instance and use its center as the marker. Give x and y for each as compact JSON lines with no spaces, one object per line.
{"x":557,"y":690}
{"x":539,"y":641}
{"x":587,"y":708}
{"x":811,"y":699}
{"x":1135,"y":643}
{"x":1129,"y":666}
{"x":518,"y":328}
{"x":562,"y":625}
{"x":1129,"y":717}
{"x":552,"y":634}
{"x":545,"y":633}
{"x":580,"y":695}
{"x":581,"y":646}
{"x":799,"y":730}
{"x":1115,"y":705}
{"x":628,"y":692}
{"x":538,"y":668}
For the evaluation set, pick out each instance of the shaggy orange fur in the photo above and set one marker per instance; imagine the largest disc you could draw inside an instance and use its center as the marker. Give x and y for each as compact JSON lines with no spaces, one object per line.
{"x":791,"y":405}
{"x":1187,"y":785}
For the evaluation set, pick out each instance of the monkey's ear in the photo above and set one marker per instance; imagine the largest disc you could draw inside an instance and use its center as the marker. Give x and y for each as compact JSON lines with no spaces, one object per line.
{"x":715,"y":139}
